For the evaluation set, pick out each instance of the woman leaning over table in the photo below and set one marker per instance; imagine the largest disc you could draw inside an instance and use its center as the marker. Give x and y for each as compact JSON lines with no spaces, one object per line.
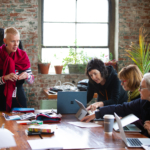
{"x":14,"y":69}
{"x":131,"y":77}
{"x":104,"y":81}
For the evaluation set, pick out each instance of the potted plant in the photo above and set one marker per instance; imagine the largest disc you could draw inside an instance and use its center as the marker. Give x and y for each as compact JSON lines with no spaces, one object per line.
{"x":76,"y":61}
{"x":58,"y":68}
{"x":43,"y":66}
{"x":109,"y":61}
{"x":112,"y":62}
{"x":140,"y":54}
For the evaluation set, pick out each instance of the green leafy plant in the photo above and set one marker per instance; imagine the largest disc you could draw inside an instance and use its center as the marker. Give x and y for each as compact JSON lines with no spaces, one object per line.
{"x":75,"y":57}
{"x":110,"y":56}
{"x":105,"y":58}
{"x":140,"y":54}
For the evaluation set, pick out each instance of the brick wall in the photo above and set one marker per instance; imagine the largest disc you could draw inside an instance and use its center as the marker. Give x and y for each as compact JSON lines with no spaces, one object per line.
{"x":132,"y":15}
{"x":23,"y":14}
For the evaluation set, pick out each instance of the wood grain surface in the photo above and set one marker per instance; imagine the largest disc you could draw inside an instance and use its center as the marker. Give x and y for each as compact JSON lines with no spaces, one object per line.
{"x":71,"y":137}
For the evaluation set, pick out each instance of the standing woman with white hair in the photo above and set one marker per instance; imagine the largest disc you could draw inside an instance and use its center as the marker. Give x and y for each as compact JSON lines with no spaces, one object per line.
{"x":14,"y":69}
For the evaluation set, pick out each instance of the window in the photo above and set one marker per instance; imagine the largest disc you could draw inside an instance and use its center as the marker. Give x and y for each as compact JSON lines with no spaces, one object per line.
{"x":79,"y":24}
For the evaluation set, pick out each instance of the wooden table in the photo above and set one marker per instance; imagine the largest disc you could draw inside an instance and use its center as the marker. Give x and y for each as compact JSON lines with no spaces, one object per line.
{"x":71,"y":136}
{"x":54,"y":96}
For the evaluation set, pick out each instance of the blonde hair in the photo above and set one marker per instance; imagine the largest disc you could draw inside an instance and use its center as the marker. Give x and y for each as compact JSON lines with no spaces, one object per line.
{"x":133,"y":74}
{"x":11,"y":30}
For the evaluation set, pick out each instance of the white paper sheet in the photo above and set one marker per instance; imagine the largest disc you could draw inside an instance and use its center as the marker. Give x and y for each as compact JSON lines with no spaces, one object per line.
{"x":8,"y":131}
{"x":6,"y":139}
{"x":125,"y":121}
{"x":146,"y":147}
{"x":84,"y":124}
{"x":44,"y":144}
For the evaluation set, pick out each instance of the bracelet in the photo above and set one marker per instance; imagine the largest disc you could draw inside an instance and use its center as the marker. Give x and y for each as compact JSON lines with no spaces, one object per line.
{"x":3,"y":79}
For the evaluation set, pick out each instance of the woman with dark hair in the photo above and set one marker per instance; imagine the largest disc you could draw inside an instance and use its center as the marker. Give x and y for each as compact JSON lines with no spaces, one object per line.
{"x":104,"y":81}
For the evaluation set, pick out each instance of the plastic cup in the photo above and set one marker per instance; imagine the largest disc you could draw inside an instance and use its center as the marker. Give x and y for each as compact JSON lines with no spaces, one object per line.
{"x":108,"y":123}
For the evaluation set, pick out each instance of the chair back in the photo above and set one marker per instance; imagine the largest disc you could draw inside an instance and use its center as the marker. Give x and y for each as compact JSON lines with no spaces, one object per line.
{"x":2,"y":37}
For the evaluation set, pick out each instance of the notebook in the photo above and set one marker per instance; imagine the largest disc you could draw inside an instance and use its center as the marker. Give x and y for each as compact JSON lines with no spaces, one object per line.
{"x":126,"y":123}
{"x":23,"y":110}
{"x":131,"y":142}
{"x":66,"y":101}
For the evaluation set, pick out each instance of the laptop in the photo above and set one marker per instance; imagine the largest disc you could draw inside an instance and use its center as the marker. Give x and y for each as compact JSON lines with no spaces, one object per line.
{"x":66,"y":101}
{"x":82,"y":112}
{"x":126,"y":123}
{"x":131,"y":142}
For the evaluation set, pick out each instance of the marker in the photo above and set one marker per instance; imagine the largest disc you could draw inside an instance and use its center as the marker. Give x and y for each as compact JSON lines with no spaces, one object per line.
{"x":32,"y":122}
{"x":25,"y":123}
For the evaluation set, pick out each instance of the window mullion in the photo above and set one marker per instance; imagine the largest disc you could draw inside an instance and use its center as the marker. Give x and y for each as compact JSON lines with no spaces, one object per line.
{"x":76,"y":25}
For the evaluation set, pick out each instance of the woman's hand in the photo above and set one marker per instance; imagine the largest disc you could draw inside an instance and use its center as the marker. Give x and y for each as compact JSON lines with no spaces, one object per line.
{"x":147,"y":126}
{"x":88,"y":118}
{"x":23,"y":75}
{"x":94,"y":106}
{"x":12,"y":77}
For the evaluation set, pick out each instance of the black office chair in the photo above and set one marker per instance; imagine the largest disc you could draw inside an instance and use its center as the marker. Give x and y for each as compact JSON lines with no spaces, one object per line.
{"x":2,"y":36}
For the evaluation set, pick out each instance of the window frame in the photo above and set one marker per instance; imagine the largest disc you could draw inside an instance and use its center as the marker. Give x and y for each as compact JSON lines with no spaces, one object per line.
{"x":75,"y":47}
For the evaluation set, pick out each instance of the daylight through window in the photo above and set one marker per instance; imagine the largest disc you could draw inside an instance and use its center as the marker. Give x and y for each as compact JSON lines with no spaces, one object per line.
{"x":80,"y":25}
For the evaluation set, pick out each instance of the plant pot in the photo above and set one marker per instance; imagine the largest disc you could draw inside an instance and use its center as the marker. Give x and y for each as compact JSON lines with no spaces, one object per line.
{"x":58,"y":69}
{"x":112,"y":63}
{"x":77,"y":68}
{"x":44,"y":68}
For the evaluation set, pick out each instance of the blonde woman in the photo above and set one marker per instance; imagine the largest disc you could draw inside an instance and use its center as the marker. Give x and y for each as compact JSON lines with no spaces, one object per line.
{"x":130,"y":78}
{"x":14,"y":70}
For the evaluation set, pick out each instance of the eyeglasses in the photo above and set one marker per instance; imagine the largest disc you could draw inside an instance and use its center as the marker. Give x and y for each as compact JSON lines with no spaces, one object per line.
{"x":142,"y":88}
{"x":122,"y":81}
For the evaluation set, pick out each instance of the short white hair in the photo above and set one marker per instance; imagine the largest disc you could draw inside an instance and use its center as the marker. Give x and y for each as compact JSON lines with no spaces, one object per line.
{"x":147,"y":79}
{"x":11,"y":30}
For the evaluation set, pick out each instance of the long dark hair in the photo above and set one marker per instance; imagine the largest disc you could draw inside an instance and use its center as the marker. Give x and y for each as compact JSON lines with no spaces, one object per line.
{"x":99,"y":65}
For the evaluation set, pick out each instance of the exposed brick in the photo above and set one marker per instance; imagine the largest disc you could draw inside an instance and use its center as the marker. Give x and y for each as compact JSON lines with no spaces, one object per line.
{"x":6,"y":1}
{"x":23,"y":14}
{"x":21,"y":19}
{"x":14,"y":14}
